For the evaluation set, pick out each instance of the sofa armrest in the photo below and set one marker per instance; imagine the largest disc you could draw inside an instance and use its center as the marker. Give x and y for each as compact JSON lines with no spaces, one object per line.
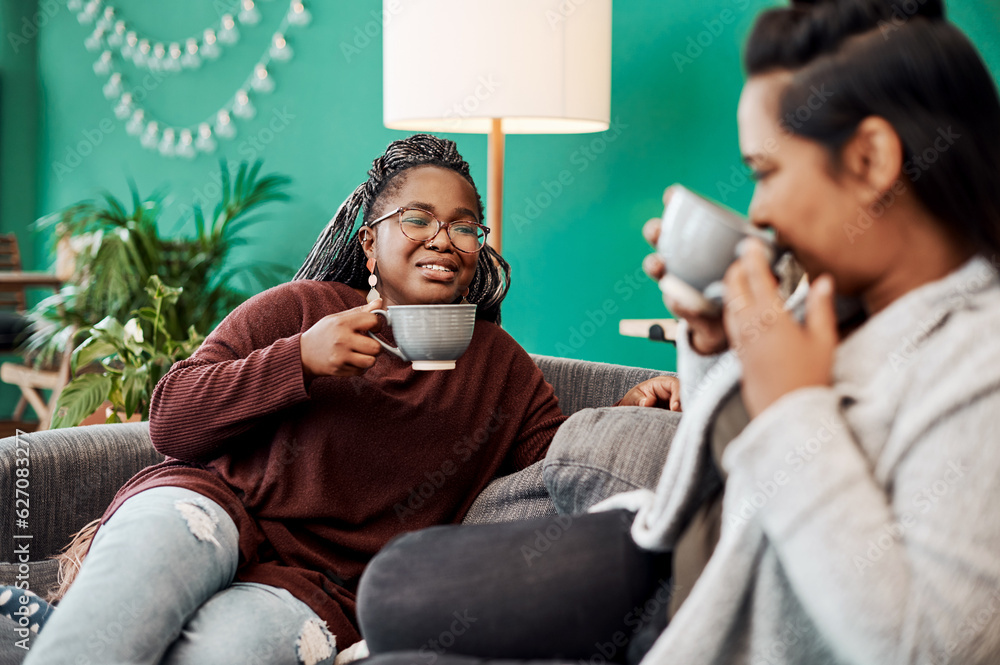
{"x":582,"y":384}
{"x":74,"y":475}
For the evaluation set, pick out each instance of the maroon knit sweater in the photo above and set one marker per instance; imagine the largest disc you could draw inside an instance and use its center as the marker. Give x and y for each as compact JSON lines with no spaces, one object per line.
{"x":319,"y":477}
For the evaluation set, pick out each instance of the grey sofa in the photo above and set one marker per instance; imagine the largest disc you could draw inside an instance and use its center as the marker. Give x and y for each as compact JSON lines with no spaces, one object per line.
{"x":75,"y":473}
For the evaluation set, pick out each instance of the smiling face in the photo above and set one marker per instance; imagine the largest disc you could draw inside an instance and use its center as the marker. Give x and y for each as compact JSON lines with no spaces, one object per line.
{"x":419,"y":273}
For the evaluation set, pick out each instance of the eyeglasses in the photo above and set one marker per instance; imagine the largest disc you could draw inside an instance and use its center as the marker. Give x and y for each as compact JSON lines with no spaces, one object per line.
{"x":420,"y":226}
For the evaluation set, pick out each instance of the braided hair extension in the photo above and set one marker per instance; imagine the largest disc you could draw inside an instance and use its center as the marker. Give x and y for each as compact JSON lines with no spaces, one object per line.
{"x":337,"y":255}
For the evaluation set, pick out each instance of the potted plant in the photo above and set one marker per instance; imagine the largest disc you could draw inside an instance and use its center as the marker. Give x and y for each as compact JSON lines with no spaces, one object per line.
{"x":168,"y":291}
{"x":118,"y":250}
{"x":132,"y":358}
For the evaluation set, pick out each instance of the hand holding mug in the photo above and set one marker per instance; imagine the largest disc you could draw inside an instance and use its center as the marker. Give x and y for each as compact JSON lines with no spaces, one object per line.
{"x":708,"y":335}
{"x":337,"y":345}
{"x":698,"y":239}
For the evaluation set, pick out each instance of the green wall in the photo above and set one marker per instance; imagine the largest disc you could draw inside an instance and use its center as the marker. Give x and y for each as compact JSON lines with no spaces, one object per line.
{"x":20,"y":24}
{"x":574,"y":245}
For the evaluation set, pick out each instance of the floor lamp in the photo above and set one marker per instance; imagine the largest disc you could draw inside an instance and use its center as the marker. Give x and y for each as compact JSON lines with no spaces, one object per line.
{"x":497,"y":67}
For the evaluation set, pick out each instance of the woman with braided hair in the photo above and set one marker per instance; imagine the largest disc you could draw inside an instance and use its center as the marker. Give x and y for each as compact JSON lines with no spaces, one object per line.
{"x":296,"y":450}
{"x":492,"y":278}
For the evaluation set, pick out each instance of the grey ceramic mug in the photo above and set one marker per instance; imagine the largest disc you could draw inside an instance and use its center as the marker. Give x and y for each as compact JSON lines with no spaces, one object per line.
{"x":699,"y":239}
{"x":429,"y":336}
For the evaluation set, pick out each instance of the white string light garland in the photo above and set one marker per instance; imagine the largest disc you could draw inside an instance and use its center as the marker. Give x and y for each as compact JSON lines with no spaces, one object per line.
{"x":117,"y":41}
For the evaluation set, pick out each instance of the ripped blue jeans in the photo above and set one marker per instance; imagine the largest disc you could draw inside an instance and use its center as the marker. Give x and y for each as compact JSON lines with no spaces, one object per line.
{"x":157,"y":587}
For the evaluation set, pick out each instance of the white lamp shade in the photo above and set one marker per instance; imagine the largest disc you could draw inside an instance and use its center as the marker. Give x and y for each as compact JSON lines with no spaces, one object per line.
{"x":542,"y":66}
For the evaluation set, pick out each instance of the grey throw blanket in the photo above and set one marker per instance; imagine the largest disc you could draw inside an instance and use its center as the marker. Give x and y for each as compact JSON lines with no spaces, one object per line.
{"x":860,"y":520}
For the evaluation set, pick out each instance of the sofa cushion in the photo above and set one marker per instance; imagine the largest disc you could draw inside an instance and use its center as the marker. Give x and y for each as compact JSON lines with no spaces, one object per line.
{"x":519,"y":496}
{"x":582,"y":384}
{"x":598,"y":453}
{"x":73,"y":475}
{"x":42,"y":576}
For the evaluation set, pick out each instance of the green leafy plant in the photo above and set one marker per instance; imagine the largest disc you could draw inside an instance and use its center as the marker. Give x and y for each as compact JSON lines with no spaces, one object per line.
{"x":119,"y":250}
{"x":132,"y":358}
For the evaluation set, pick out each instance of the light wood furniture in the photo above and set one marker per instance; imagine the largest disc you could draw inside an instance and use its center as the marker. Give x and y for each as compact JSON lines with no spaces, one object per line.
{"x":659,"y":330}
{"x":31,"y":381}
{"x":11,"y":294}
{"x":17,"y":281}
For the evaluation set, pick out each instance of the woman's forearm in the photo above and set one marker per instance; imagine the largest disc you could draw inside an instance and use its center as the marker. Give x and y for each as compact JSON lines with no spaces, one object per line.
{"x":201,"y":404}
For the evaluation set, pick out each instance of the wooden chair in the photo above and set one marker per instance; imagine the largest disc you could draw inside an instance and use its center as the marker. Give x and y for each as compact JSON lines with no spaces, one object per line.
{"x":31,"y":381}
{"x":11,"y":298}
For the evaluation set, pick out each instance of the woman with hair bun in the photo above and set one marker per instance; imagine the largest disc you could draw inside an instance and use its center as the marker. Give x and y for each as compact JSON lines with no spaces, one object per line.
{"x":830,"y":495}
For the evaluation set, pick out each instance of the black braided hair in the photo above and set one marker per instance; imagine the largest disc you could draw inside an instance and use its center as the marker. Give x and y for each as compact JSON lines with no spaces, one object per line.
{"x":337,"y":255}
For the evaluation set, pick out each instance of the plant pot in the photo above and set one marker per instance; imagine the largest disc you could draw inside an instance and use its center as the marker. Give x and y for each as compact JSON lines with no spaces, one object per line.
{"x":100,"y":416}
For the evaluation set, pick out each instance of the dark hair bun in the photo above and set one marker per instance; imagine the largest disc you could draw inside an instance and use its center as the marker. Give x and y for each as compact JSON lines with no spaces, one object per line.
{"x":901,"y":61}
{"x":929,"y":9}
{"x":790,"y":37}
